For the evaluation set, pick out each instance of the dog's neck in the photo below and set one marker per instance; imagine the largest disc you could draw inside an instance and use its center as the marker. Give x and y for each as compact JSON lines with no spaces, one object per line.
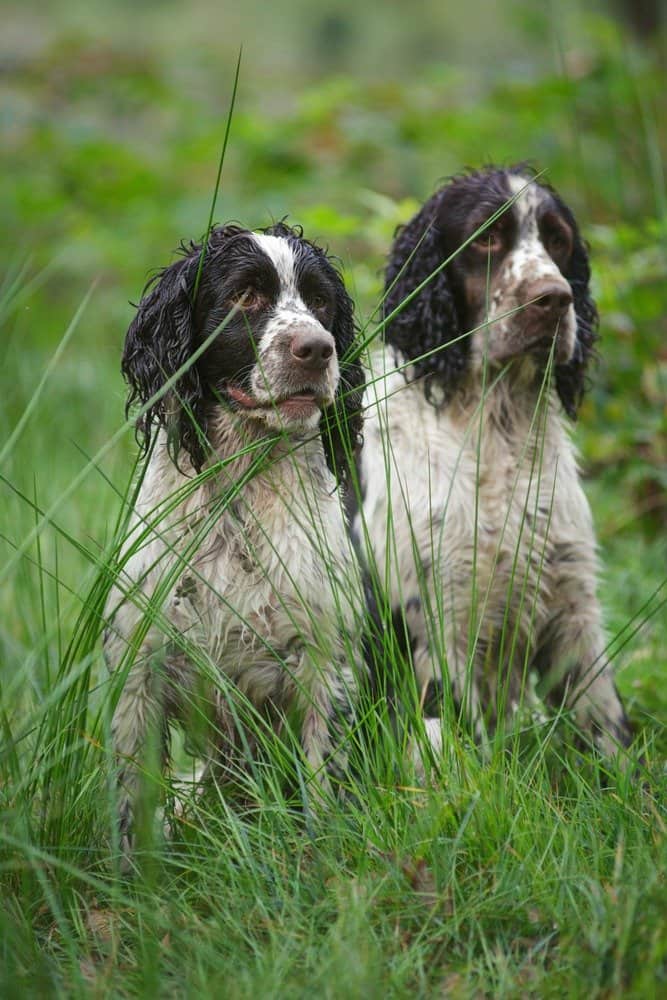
{"x":519,"y":389}
{"x":240,"y":442}
{"x":262,"y":466}
{"x":246,"y":456}
{"x":523,"y":385}
{"x":517,"y":414}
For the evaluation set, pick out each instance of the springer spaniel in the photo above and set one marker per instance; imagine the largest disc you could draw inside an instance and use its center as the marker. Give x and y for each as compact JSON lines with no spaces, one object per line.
{"x":237,"y":573}
{"x":472,"y":505}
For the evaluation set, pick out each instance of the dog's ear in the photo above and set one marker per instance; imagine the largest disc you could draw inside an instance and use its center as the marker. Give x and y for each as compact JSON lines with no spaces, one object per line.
{"x":427,"y":323}
{"x":159,"y":341}
{"x":341,"y":423}
{"x":571,"y":376}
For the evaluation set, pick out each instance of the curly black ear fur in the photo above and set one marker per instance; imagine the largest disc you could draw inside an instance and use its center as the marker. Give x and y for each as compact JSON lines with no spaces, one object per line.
{"x":159,"y":341}
{"x":341,"y":423}
{"x":571,"y":377}
{"x":429,"y":321}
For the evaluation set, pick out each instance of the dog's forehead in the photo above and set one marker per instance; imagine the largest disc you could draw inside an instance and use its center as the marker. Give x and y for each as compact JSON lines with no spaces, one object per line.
{"x":529,"y":197}
{"x":282,"y":256}
{"x":528,"y":256}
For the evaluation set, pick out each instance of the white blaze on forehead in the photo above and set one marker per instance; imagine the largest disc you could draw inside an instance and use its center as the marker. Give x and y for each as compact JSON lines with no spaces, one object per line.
{"x":290,"y":310}
{"x":529,"y":259}
{"x":525,"y":206}
{"x":282,"y":257}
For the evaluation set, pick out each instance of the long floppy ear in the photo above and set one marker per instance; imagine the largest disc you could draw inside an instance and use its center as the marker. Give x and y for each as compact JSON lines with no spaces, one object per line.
{"x":571,"y":377}
{"x":341,"y":423}
{"x":429,"y":322}
{"x":159,"y":341}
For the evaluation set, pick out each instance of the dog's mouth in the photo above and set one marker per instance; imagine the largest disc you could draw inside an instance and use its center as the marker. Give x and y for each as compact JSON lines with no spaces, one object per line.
{"x":296,"y":406}
{"x":541,"y":343}
{"x":556,"y":343}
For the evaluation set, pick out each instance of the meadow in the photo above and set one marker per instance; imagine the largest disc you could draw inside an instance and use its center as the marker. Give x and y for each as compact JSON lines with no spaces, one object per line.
{"x":534,"y":870}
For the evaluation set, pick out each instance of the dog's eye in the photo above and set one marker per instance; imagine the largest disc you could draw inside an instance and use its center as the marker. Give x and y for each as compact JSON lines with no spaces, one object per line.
{"x":318,"y":302}
{"x":557,"y":237}
{"x":491,"y":240}
{"x":247,"y":298}
{"x":558,"y":243}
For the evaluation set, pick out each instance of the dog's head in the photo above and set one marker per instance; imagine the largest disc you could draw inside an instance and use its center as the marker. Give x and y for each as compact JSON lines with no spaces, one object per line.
{"x":280,"y":324}
{"x":522,"y":285}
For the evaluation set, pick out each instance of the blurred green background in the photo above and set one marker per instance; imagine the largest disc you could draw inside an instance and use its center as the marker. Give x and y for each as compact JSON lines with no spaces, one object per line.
{"x":348,"y":115}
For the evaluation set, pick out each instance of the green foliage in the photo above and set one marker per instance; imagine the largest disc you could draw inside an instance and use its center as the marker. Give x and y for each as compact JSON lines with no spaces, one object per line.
{"x":533,"y":872}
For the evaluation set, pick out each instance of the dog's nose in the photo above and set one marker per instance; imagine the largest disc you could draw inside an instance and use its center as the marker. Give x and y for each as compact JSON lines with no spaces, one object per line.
{"x":550,"y":299}
{"x":313,"y":348}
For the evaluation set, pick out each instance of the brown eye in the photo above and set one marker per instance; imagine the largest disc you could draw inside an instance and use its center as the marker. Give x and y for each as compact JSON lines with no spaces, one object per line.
{"x":247,"y":298}
{"x":557,"y":237}
{"x":318,"y":302}
{"x":558,"y":244}
{"x":491,"y":240}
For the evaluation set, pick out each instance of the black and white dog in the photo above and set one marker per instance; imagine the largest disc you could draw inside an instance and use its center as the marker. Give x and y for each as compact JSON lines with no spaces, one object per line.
{"x":237,"y":573}
{"x":472,"y":505}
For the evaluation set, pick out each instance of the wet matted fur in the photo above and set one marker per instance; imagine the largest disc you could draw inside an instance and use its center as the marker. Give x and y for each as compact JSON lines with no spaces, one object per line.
{"x":237,"y":575}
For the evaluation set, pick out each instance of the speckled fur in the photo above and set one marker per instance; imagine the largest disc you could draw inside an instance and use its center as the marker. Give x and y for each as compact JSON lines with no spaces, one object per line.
{"x":231,"y":586}
{"x":265,"y":599}
{"x":492,"y":553}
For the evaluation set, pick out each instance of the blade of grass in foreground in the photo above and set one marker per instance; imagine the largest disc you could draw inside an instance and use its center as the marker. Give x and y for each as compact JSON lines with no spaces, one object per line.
{"x":218,"y":178}
{"x":110,"y":443}
{"x":48,"y":371}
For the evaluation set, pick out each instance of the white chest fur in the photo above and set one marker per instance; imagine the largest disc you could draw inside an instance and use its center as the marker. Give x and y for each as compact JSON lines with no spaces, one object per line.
{"x":465,"y":504}
{"x":255,"y":576}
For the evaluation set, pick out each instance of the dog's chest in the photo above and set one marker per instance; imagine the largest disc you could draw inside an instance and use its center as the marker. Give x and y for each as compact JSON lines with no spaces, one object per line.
{"x":500,"y":526}
{"x":476,"y":495}
{"x":273,"y":575}
{"x":279,"y":543}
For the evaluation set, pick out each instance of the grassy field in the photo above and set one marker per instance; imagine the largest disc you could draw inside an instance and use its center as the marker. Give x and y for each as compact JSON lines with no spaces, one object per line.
{"x":533,"y":872}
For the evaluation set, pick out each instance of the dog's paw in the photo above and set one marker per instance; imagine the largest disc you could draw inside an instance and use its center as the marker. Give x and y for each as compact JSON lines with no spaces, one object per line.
{"x":425,"y":754}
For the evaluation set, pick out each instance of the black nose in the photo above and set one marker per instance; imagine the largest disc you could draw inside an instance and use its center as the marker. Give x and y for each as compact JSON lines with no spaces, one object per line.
{"x":551,"y":300}
{"x":312,"y":349}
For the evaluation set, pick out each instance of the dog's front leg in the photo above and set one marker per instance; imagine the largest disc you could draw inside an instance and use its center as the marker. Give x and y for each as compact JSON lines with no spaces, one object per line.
{"x":325,"y":730}
{"x":140,"y":740}
{"x":579,"y":674}
{"x":445,"y":660}
{"x":590,"y":691}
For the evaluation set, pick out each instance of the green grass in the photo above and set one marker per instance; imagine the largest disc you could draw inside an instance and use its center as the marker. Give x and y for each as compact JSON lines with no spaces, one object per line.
{"x":535,"y":870}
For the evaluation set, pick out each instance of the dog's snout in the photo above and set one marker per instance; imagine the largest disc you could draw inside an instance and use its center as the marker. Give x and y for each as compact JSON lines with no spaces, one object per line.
{"x":312,"y":348}
{"x":550,"y":300}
